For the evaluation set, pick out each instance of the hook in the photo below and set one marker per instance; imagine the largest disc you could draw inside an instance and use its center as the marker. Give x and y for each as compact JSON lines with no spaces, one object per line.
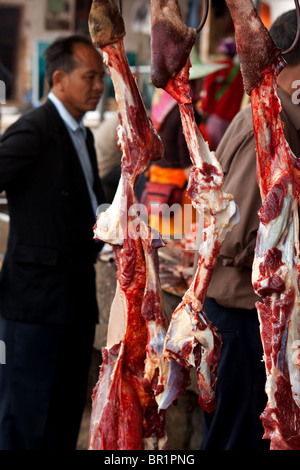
{"x":205,"y":14}
{"x":120,"y":6}
{"x":297,"y":38}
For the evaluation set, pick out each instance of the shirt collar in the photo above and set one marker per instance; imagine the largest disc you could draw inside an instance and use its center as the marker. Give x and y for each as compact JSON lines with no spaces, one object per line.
{"x":71,"y":122}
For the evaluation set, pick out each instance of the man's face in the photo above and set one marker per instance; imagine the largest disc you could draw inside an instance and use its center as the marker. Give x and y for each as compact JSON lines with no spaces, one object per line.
{"x":83,"y":87}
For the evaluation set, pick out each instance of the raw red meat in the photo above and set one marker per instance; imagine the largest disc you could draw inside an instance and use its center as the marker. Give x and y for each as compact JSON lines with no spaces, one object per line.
{"x":191,"y":339}
{"x":171,"y":41}
{"x":136,"y":383}
{"x":276,"y":266}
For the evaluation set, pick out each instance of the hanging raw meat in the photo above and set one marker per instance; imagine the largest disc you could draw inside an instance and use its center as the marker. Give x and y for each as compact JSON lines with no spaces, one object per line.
{"x":171,"y":41}
{"x":191,"y":339}
{"x":276,"y":266}
{"x":135,"y":377}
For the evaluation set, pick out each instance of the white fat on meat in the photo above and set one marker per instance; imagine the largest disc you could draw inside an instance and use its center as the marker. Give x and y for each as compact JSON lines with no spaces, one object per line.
{"x":117,"y":319}
{"x":108,"y":227}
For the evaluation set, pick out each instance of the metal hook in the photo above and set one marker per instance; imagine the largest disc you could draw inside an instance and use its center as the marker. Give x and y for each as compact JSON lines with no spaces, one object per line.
{"x":204,"y":18}
{"x":297,"y":38}
{"x":120,"y":6}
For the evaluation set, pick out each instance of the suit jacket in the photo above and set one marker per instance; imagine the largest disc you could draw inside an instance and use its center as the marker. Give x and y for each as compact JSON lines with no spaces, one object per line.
{"x":48,"y":271}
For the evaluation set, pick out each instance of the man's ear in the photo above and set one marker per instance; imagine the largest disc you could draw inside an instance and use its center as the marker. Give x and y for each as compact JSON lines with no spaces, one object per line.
{"x":58,"y":79}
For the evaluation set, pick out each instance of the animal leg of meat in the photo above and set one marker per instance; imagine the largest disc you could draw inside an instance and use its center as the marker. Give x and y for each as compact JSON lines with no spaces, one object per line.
{"x":191,"y":339}
{"x":125,"y":413}
{"x":275,"y":273}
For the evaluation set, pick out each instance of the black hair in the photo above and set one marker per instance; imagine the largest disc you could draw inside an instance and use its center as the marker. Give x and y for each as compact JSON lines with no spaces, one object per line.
{"x":283,"y":32}
{"x":59,"y":55}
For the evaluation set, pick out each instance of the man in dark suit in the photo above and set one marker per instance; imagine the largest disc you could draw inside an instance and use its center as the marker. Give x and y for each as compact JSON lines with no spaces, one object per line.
{"x":48,"y":306}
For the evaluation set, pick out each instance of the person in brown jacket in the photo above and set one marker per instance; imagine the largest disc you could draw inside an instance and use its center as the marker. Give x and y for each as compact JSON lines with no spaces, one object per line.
{"x":230,"y":302}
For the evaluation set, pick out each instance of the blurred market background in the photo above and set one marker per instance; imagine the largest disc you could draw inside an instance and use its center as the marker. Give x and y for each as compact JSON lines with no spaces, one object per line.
{"x":27,"y":27}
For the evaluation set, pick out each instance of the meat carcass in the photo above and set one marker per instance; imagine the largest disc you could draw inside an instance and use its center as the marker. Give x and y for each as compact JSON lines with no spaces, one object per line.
{"x":276,"y":266}
{"x":191,"y":338}
{"x":135,"y":379}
